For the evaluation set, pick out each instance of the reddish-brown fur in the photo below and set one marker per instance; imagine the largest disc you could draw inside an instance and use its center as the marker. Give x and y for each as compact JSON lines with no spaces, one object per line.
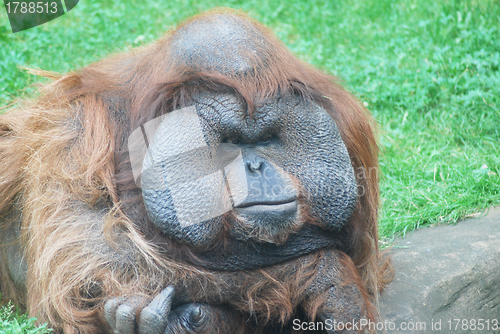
{"x":64,"y":174}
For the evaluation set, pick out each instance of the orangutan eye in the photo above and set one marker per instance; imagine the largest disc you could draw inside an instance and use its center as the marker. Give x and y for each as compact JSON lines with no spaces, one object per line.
{"x":232,"y":140}
{"x":266,"y":139}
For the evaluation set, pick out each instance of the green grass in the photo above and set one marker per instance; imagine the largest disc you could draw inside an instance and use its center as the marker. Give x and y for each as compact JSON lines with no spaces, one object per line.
{"x":13,"y":322}
{"x":427,"y":69}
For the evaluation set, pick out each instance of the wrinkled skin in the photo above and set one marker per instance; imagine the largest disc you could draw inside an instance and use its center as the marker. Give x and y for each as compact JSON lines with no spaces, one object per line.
{"x":293,"y":166}
{"x":279,"y":142}
{"x":287,"y":137}
{"x":159,"y":317}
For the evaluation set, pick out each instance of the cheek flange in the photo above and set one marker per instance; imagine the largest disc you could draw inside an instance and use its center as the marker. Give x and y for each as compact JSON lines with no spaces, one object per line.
{"x":320,"y":162}
{"x":186,"y":184}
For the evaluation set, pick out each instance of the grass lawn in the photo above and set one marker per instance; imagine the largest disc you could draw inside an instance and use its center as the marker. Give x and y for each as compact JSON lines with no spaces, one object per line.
{"x":427,"y":69}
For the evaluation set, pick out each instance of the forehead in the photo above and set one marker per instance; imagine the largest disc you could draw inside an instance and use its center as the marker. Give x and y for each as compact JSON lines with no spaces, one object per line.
{"x":223,"y":43}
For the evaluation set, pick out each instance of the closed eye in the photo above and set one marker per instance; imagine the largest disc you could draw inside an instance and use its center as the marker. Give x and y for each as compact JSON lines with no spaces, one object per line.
{"x":231,"y":140}
{"x":266,"y":139}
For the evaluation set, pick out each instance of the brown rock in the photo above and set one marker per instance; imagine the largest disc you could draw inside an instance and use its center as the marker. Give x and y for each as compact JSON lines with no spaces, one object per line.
{"x":444,"y":274}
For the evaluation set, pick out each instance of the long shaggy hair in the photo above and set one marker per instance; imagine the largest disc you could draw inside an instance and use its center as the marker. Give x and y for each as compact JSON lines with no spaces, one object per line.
{"x":65,"y":178}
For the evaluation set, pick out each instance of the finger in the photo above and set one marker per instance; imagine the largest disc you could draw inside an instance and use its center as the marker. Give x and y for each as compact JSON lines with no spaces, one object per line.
{"x":110,"y":311}
{"x":193,"y":315}
{"x":154,"y":317}
{"x":126,"y":315}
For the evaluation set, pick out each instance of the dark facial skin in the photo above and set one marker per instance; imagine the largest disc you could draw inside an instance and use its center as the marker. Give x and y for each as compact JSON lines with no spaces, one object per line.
{"x":287,"y":142}
{"x":292,"y":154}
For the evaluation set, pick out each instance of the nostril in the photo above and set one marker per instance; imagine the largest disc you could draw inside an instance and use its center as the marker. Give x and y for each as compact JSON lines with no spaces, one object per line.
{"x":254,"y":165}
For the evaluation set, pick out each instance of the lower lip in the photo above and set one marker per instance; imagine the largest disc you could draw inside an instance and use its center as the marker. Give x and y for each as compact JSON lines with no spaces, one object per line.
{"x":269,"y":207}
